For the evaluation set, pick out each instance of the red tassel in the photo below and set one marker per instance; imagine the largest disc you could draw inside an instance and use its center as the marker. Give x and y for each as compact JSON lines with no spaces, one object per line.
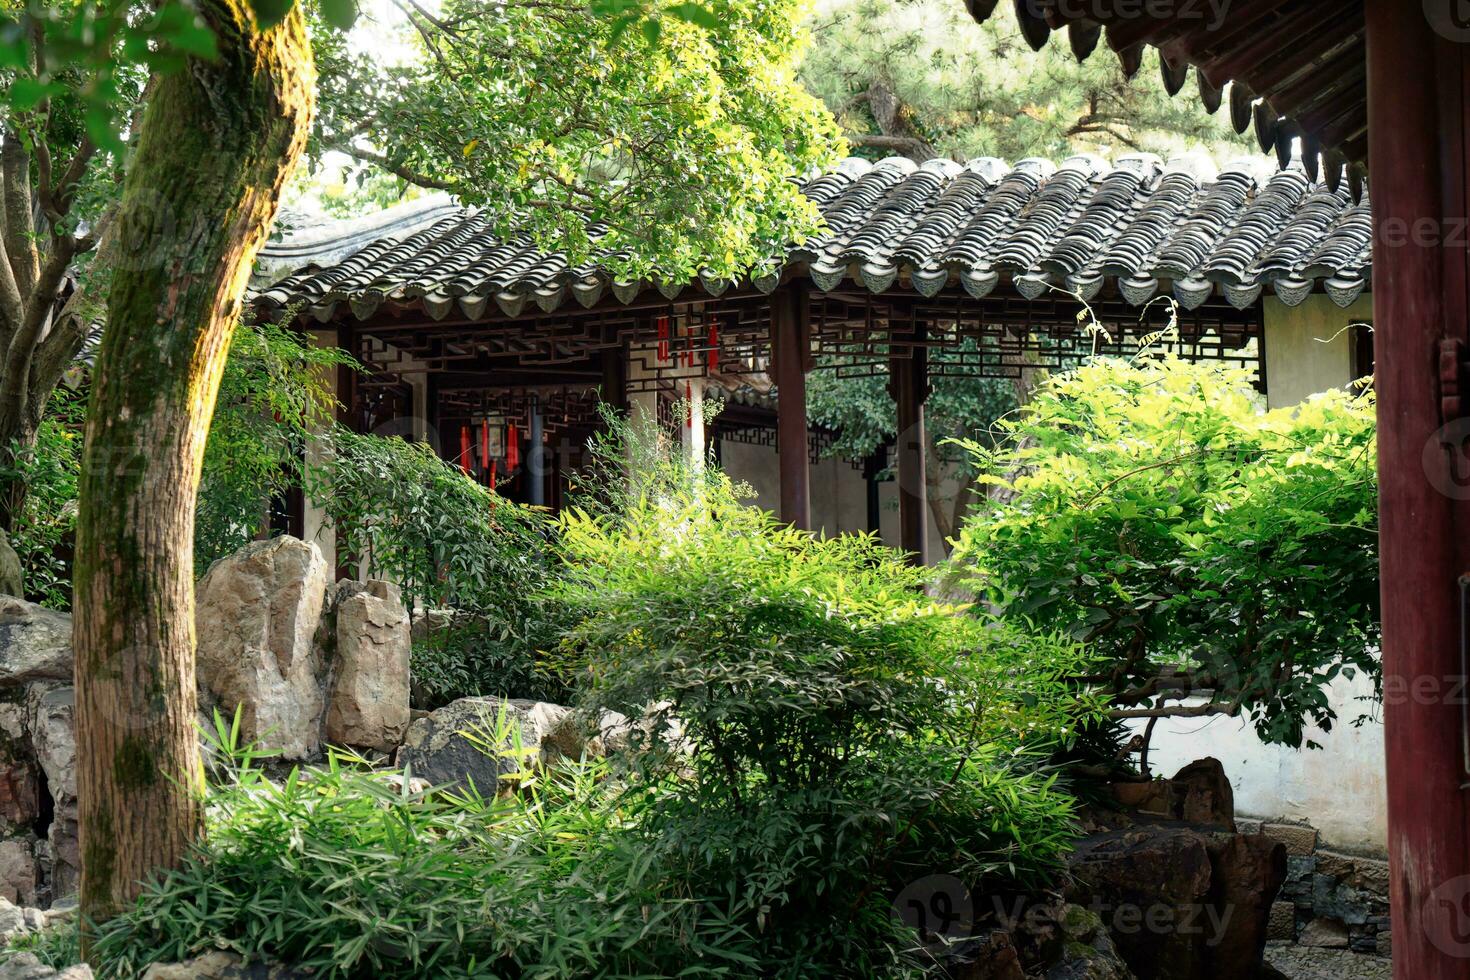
{"x":712,"y":357}
{"x":493,"y":481}
{"x":512,"y":449}
{"x":689,"y":402}
{"x":663,"y":338}
{"x":464,"y":449}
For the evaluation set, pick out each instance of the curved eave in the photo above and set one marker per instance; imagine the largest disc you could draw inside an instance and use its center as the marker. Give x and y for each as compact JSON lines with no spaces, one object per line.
{"x":1287,"y":70}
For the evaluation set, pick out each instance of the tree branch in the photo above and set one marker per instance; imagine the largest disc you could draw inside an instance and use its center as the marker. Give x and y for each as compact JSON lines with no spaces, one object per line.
{"x":23,"y":258}
{"x":396,"y":169}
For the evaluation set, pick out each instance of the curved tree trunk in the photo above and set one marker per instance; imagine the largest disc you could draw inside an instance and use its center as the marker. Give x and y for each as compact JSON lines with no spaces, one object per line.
{"x":218,"y":140}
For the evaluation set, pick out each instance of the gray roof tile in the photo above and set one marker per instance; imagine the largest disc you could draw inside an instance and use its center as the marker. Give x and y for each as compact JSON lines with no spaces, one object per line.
{"x":1076,"y":226}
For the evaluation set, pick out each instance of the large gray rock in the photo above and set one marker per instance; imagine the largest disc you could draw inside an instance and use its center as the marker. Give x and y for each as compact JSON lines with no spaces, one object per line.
{"x":12,"y":576}
{"x":19,"y":871}
{"x":437,"y":750}
{"x":256,"y":615}
{"x":218,"y":965}
{"x":368,"y":700}
{"x":26,"y":966}
{"x":35,"y":643}
{"x":53,"y":734}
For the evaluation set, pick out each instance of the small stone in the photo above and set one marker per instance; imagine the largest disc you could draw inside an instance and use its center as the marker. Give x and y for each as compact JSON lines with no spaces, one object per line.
{"x":18,"y":870}
{"x":218,"y":965}
{"x":1323,"y":933}
{"x":1334,"y":864}
{"x":12,"y":576}
{"x":1300,"y":867}
{"x":1342,"y":902}
{"x":368,"y":703}
{"x":1282,"y":922}
{"x":1298,"y":839}
{"x":256,"y":616}
{"x":12,"y":921}
{"x":1371,"y":875}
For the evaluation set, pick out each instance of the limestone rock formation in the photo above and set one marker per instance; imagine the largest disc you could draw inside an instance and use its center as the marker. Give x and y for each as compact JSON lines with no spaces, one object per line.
{"x":368,"y":698}
{"x":256,"y":615}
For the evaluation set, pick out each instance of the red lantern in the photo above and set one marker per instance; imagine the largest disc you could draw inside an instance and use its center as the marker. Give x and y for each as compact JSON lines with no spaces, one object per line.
{"x":464,"y":449}
{"x":512,"y":449}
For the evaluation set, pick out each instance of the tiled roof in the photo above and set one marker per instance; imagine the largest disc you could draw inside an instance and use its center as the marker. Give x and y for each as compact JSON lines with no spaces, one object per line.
{"x":1078,"y":227}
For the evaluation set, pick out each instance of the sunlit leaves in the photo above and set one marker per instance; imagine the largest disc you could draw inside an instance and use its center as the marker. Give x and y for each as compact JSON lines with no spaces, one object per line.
{"x":84,"y":52}
{"x":663,"y":135}
{"x":1159,"y":513}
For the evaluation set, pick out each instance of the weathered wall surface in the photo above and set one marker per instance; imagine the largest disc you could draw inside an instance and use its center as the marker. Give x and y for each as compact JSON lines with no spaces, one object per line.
{"x":1308,"y":347}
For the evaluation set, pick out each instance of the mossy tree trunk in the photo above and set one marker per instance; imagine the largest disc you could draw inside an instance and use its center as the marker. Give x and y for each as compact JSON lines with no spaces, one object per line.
{"x":217,"y":142}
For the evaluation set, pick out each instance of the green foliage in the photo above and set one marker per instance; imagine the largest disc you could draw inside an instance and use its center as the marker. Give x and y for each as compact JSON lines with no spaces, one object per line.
{"x":1157,"y":512}
{"x":43,"y":530}
{"x":353,"y":874}
{"x":87,"y":61}
{"x":923,"y":79}
{"x":475,"y":655}
{"x":838,"y":733}
{"x":862,"y":412}
{"x":276,"y":391}
{"x":670,"y":130}
{"x":409,"y":517}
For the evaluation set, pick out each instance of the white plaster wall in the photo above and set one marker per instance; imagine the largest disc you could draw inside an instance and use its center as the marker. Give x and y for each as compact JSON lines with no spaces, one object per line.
{"x":1338,"y":789}
{"x":1308,"y":347}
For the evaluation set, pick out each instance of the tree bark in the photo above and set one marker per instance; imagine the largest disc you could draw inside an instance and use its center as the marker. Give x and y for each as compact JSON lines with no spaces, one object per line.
{"x":217,"y":141}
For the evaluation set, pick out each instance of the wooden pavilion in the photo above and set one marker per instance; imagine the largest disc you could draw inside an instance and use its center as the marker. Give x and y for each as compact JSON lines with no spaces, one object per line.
{"x":504,"y":351}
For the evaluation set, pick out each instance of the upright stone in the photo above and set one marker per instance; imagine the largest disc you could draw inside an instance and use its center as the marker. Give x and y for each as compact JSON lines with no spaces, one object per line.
{"x":12,"y":576}
{"x":256,"y":615}
{"x":368,"y":703}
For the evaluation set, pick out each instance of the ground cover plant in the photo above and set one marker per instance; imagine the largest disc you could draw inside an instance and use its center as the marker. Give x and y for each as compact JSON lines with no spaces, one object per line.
{"x":1200,"y":544}
{"x":811,"y":734}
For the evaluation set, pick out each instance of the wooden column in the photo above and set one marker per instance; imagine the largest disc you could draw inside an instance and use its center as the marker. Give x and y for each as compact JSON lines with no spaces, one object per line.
{"x":1417,"y":84}
{"x":790,"y":350}
{"x":908,"y":380}
{"x":536,"y":454}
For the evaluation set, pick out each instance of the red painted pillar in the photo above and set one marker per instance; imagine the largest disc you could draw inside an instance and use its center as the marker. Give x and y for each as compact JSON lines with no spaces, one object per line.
{"x":790,"y":349}
{"x":1417,"y":134}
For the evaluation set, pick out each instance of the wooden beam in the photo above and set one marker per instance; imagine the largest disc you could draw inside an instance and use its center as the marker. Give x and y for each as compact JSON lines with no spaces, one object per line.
{"x":1417,"y":131}
{"x":909,"y":385}
{"x":790,"y":351}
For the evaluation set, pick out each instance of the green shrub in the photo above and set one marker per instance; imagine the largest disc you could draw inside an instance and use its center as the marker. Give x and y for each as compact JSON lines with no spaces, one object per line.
{"x":276,"y":392}
{"x":407,"y":516}
{"x":837,"y":733}
{"x":1196,"y":541}
{"x":43,"y":531}
{"x":350,"y":873}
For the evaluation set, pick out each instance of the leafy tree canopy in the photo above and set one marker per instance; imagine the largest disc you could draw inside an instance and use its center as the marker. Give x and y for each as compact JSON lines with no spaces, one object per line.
{"x":1197,"y":542}
{"x":669,"y":138}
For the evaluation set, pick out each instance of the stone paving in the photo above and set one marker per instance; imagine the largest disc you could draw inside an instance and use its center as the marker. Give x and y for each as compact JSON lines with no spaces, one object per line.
{"x":1307,"y":963}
